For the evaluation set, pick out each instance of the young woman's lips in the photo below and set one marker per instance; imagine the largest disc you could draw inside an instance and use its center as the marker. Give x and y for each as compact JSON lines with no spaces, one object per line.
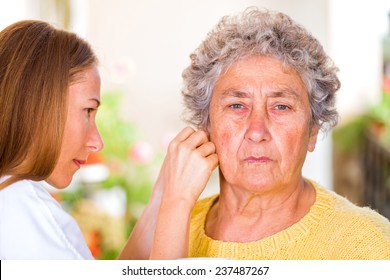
{"x":78,"y":162}
{"x":253,"y":159}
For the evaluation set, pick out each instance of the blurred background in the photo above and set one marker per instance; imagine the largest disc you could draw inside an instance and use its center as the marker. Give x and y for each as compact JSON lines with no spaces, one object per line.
{"x":143,"y":47}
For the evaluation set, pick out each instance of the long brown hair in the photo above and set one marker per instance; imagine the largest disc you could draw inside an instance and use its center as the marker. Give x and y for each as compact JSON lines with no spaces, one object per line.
{"x":37,"y":64}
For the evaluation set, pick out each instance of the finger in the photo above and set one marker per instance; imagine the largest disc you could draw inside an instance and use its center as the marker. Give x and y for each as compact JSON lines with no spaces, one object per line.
{"x":206,"y":149}
{"x":180,"y":138}
{"x":213,"y":161}
{"x":183,"y":134}
{"x":197,"y":139}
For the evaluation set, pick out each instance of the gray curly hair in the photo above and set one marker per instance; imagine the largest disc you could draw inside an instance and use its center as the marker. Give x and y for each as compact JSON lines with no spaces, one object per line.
{"x":261,"y":32}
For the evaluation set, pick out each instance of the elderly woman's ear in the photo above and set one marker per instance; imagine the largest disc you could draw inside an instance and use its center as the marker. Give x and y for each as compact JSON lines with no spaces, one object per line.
{"x":313,"y":138}
{"x":206,"y":128}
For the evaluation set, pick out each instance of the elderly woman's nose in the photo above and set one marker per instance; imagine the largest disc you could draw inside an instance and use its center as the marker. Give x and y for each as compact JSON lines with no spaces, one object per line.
{"x":257,"y":128}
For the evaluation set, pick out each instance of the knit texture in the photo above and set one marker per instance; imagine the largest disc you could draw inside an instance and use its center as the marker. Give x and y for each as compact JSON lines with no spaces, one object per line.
{"x":333,"y":229}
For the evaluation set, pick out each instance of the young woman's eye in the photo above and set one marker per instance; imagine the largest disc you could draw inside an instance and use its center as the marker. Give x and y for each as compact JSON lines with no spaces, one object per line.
{"x":89,"y":110}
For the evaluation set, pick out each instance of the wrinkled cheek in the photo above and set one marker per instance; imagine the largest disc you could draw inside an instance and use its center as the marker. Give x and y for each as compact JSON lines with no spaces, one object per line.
{"x":293,"y":149}
{"x":224,"y":144}
{"x":221,"y":141}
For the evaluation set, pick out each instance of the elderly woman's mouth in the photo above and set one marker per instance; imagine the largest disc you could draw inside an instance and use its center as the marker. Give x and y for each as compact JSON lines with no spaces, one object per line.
{"x":253,"y":159}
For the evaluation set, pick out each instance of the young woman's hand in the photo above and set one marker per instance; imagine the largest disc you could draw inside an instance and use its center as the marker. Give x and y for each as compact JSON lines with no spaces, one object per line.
{"x":163,"y":228}
{"x":188,"y":165}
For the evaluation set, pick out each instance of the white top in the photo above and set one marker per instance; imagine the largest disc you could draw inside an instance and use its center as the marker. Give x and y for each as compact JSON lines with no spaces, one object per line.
{"x":33,"y":225}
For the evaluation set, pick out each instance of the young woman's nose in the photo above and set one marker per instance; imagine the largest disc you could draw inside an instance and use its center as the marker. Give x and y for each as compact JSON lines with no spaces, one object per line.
{"x":95,"y":141}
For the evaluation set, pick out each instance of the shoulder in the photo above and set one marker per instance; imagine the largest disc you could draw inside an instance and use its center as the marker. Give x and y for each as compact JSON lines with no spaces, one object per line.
{"x":363,"y":220}
{"x":34,"y":225}
{"x":343,"y":206}
{"x":22,"y":194}
{"x":203,"y":206}
{"x":198,"y":220}
{"x":354,"y":232}
{"x":200,"y":211}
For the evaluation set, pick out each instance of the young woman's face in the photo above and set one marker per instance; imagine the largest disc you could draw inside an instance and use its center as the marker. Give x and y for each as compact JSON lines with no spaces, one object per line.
{"x":81,"y":135}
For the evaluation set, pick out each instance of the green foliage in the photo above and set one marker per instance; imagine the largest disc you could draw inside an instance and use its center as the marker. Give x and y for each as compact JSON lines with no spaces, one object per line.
{"x":118,"y":134}
{"x":348,"y":137}
{"x":381,"y":115}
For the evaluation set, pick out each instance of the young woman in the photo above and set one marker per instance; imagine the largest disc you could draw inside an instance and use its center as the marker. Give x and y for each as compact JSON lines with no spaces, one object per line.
{"x":49,"y":97}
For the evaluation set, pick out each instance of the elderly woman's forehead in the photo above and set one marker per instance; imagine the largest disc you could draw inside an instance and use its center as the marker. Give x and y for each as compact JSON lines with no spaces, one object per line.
{"x":260,"y":60}
{"x":250,"y":55}
{"x":267,"y":74}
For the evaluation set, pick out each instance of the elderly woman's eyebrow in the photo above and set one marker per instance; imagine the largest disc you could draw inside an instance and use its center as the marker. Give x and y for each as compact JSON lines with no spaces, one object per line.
{"x":283,"y":93}
{"x":235,"y":93}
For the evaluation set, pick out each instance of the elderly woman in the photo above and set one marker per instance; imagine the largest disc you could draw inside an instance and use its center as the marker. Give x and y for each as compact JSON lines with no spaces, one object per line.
{"x":262,"y":87}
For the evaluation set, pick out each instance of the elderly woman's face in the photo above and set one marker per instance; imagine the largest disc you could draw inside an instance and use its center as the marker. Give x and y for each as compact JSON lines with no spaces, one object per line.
{"x":260,"y":124}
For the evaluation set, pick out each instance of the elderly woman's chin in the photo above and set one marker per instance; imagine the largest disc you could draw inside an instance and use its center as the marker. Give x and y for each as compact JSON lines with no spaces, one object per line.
{"x":258,"y":182}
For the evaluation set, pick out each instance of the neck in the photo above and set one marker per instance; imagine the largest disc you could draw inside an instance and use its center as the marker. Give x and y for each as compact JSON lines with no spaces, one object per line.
{"x":242,"y":215}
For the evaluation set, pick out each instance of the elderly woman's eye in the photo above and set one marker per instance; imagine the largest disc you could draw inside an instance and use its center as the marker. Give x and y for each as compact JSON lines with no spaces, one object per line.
{"x":281,"y":107}
{"x":236,"y":106}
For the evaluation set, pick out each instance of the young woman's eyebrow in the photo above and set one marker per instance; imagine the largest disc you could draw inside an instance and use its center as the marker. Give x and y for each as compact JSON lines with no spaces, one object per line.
{"x":96,"y":100}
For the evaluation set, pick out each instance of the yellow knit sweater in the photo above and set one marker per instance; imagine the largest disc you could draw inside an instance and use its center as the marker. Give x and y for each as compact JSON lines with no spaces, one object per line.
{"x":334,"y":229}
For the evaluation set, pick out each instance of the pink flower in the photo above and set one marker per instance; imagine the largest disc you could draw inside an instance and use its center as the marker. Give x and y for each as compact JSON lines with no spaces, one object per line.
{"x":122,"y":70}
{"x":141,"y":152}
